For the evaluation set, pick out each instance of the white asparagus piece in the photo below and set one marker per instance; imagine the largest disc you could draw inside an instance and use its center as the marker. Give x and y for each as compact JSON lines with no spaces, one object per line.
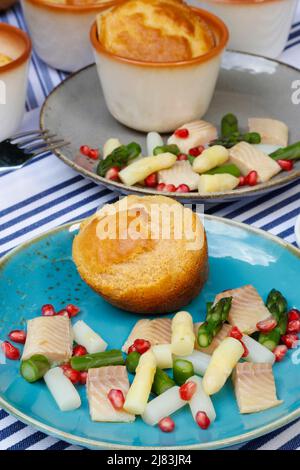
{"x":88,"y":338}
{"x":62,"y":390}
{"x":210,"y":158}
{"x":200,"y":401}
{"x":217,"y":183}
{"x":199,"y":360}
{"x":163,"y":356}
{"x":109,"y":146}
{"x":154,"y":139}
{"x":162,"y":406}
{"x":257,"y":352}
{"x":183,"y":336}
{"x":140,"y":169}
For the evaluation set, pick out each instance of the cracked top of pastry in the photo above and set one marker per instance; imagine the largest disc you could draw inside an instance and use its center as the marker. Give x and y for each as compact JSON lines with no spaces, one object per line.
{"x":155,"y":31}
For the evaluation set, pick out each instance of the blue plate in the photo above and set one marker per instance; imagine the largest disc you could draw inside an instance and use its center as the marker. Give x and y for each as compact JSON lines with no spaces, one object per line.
{"x":42,"y":272}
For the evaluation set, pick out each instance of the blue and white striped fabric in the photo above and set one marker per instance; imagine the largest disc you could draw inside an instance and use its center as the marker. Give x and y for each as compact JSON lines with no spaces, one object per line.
{"x":46,"y":193}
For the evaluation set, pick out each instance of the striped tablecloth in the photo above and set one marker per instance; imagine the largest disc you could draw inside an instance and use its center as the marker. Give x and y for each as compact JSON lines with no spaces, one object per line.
{"x":46,"y":193}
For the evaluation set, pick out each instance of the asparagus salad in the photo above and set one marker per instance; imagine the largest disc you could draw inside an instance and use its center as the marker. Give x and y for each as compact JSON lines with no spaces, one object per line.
{"x":165,"y":363}
{"x":196,"y":158}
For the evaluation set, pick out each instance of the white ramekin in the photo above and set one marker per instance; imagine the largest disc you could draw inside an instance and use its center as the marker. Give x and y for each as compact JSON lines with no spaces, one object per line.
{"x":13,"y":78}
{"x":60,"y":32}
{"x":160,"y":96}
{"x":256,"y":26}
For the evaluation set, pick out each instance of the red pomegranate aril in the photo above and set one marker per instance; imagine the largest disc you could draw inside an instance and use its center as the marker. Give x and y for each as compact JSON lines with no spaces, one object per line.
{"x":286,"y":165}
{"x":72,"y":374}
{"x":62,"y":313}
{"x":293,"y":314}
{"x":83,"y":377}
{"x":290,"y":340}
{"x":93,"y":154}
{"x":170,"y":188}
{"x":112,"y":174}
{"x":131,"y":349}
{"x":243,"y":181}
{"x":166,"y":424}
{"x":10,"y":351}
{"x":151,"y":180}
{"x":17,"y":336}
{"x":85,"y":150}
{"x":72,"y":310}
{"x":236,"y":333}
{"x":116,"y":398}
{"x":246,"y":351}
{"x":187,"y":390}
{"x":141,"y":345}
{"x":182,"y":133}
{"x":202,"y":420}
{"x":79,"y":350}
{"x":183,"y":188}
{"x":182,"y":156}
{"x":279,"y":352}
{"x":160,"y":187}
{"x":252,"y":178}
{"x":48,"y":310}
{"x":293,"y":326}
{"x":196,"y":151}
{"x":266,"y":325}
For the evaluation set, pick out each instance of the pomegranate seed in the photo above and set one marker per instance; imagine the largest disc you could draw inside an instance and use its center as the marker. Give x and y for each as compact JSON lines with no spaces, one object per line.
{"x":183,"y":188}
{"x":202,"y":420}
{"x":116,"y":398}
{"x":266,"y":325}
{"x":293,"y":314}
{"x":187,"y":390}
{"x":286,"y":165}
{"x":182,"y":156}
{"x":10,"y":351}
{"x":131,"y":349}
{"x":182,"y":133}
{"x":166,"y":424}
{"x":170,"y":188}
{"x":48,"y":310}
{"x":62,"y":313}
{"x":236,"y":333}
{"x":93,"y":154}
{"x":243,"y":181}
{"x":72,"y":374}
{"x":83,"y":377}
{"x":17,"y":336}
{"x":141,"y":345}
{"x":160,"y":187}
{"x":151,"y":180}
{"x":246,"y":351}
{"x":196,"y":151}
{"x":290,"y":340}
{"x":112,"y":174}
{"x":252,"y":178}
{"x":72,"y":310}
{"x":85,"y":150}
{"x":280,"y":351}
{"x":79,"y":350}
{"x":293,"y":326}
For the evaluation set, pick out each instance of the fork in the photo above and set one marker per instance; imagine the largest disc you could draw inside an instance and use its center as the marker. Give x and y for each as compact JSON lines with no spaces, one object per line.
{"x":21,"y":148}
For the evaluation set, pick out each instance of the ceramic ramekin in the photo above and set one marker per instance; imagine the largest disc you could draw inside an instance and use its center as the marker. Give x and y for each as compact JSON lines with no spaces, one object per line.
{"x":60,"y":32}
{"x":13,"y":78}
{"x":160,"y":96}
{"x":256,"y":26}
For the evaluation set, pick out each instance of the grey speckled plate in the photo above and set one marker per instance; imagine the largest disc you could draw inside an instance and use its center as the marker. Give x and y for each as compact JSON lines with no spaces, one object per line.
{"x":248,"y":86}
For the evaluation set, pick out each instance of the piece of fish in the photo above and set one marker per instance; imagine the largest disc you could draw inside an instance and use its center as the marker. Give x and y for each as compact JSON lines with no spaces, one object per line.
{"x":157,"y":331}
{"x":180,"y":173}
{"x":271,"y":131}
{"x":254,"y":387}
{"x":223,"y":333}
{"x":200,"y":133}
{"x":50,"y":336}
{"x":248,"y":158}
{"x":99,"y":382}
{"x":247,"y":308}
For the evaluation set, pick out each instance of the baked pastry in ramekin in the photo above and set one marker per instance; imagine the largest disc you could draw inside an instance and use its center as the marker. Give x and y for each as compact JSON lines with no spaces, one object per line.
{"x":143,"y":254}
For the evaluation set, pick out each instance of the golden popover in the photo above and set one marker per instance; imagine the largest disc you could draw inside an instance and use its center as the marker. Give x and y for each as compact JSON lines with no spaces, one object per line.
{"x":143,"y":254}
{"x":154,"y":31}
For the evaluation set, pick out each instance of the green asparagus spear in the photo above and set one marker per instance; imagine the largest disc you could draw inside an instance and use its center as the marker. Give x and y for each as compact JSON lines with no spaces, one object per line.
{"x":132,"y":361}
{"x":215,"y":317}
{"x":230,"y":169}
{"x":120,"y":157}
{"x":172,"y":148}
{"x":34,"y":368}
{"x":90,"y":361}
{"x":277,"y":306}
{"x":161,"y":382}
{"x":182,"y":370}
{"x":270,"y":340}
{"x":291,"y":152}
{"x":229,"y":125}
{"x":205,"y":335}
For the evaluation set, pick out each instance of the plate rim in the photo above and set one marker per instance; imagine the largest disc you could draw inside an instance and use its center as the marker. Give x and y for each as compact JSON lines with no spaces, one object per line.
{"x":97,"y":444}
{"x":241,"y":193}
